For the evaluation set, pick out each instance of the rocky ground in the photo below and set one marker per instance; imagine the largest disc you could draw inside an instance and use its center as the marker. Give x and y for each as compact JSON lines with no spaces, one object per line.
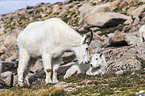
{"x":115,"y":24}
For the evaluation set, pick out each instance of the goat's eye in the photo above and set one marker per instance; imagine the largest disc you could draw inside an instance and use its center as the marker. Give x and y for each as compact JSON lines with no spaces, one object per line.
{"x":96,"y":58}
{"x":87,"y":49}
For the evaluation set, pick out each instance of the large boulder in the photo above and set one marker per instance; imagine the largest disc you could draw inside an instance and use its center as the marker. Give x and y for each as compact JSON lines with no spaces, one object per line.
{"x":127,"y":58}
{"x":87,"y":9}
{"x":107,"y":19}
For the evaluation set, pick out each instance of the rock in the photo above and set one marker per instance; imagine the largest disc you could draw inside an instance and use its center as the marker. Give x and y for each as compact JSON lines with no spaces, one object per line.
{"x":107,"y":19}
{"x":140,"y":93}
{"x":64,"y":10}
{"x":9,"y":39}
{"x":37,"y":66}
{"x":1,"y":30}
{"x":118,"y":39}
{"x":15,"y":32}
{"x":12,"y":58}
{"x":9,"y":66}
{"x":130,"y":10}
{"x":2,"y":37}
{"x":35,"y":78}
{"x":101,"y":8}
{"x":95,"y":46}
{"x":87,"y":10}
{"x":143,"y":0}
{"x":123,"y":4}
{"x":137,"y":12}
{"x":126,"y":63}
{"x":67,"y":54}
{"x":7,"y":77}
{"x":62,"y":84}
{"x":84,"y":9}
{"x":15,"y":82}
{"x":55,"y":8}
{"x":132,"y":39}
{"x":68,"y":57}
{"x":114,"y":4}
{"x":128,"y":58}
{"x":2,"y":47}
{"x":10,"y":50}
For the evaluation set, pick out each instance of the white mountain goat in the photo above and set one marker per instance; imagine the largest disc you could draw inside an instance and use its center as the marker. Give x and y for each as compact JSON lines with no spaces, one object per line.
{"x":49,"y":39}
{"x":142,"y":33}
{"x":97,"y":65}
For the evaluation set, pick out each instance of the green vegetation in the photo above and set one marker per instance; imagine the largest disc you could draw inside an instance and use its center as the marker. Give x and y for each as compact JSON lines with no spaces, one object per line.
{"x":127,"y":84}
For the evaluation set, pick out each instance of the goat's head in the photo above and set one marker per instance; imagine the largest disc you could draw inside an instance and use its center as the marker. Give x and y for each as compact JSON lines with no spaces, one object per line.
{"x":96,"y":60}
{"x":82,"y":51}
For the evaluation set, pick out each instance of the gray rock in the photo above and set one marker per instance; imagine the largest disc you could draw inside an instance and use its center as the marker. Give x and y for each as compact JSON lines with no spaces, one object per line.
{"x":137,"y":12}
{"x":6,"y":76}
{"x":95,"y":46}
{"x":130,"y":58}
{"x":132,"y":39}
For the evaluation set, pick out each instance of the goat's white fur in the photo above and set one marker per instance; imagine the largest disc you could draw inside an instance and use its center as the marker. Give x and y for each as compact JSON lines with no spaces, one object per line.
{"x":142,"y":33}
{"x":97,"y":65}
{"x":49,"y":39}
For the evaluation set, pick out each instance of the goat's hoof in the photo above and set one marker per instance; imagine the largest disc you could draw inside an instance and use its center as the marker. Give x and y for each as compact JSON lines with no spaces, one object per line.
{"x":50,"y":84}
{"x":20,"y":84}
{"x":55,"y":81}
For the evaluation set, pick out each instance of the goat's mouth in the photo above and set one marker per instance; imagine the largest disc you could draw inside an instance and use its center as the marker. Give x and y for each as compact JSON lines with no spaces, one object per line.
{"x":96,"y":67}
{"x":85,"y":62}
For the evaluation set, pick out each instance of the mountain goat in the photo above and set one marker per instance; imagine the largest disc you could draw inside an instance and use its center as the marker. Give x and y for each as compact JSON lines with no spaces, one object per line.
{"x":49,"y":39}
{"x":97,"y":65}
{"x":142,"y":33}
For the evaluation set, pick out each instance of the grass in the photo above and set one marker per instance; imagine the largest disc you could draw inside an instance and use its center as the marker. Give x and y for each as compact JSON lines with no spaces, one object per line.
{"x":126,"y":84}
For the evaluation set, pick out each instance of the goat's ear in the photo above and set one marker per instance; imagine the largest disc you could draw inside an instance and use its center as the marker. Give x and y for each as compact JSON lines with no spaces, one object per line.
{"x":84,"y":39}
{"x":101,"y":54}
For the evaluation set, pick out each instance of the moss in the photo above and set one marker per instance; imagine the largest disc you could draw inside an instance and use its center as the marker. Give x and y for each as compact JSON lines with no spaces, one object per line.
{"x":93,"y":3}
{"x":58,"y":92}
{"x":71,"y":6}
{"x":48,"y":70}
{"x":107,"y":92}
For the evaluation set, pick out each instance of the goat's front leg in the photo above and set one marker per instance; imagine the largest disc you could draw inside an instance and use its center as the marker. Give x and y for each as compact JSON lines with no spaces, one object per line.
{"x":47,"y":67}
{"x":22,"y":68}
{"x":56,"y":63}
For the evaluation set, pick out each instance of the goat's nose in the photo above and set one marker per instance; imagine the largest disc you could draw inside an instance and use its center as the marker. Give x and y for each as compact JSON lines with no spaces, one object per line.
{"x":91,"y":65}
{"x":86,"y":62}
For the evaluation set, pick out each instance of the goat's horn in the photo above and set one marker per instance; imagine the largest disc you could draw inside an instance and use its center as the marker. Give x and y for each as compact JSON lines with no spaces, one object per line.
{"x":91,"y":37}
